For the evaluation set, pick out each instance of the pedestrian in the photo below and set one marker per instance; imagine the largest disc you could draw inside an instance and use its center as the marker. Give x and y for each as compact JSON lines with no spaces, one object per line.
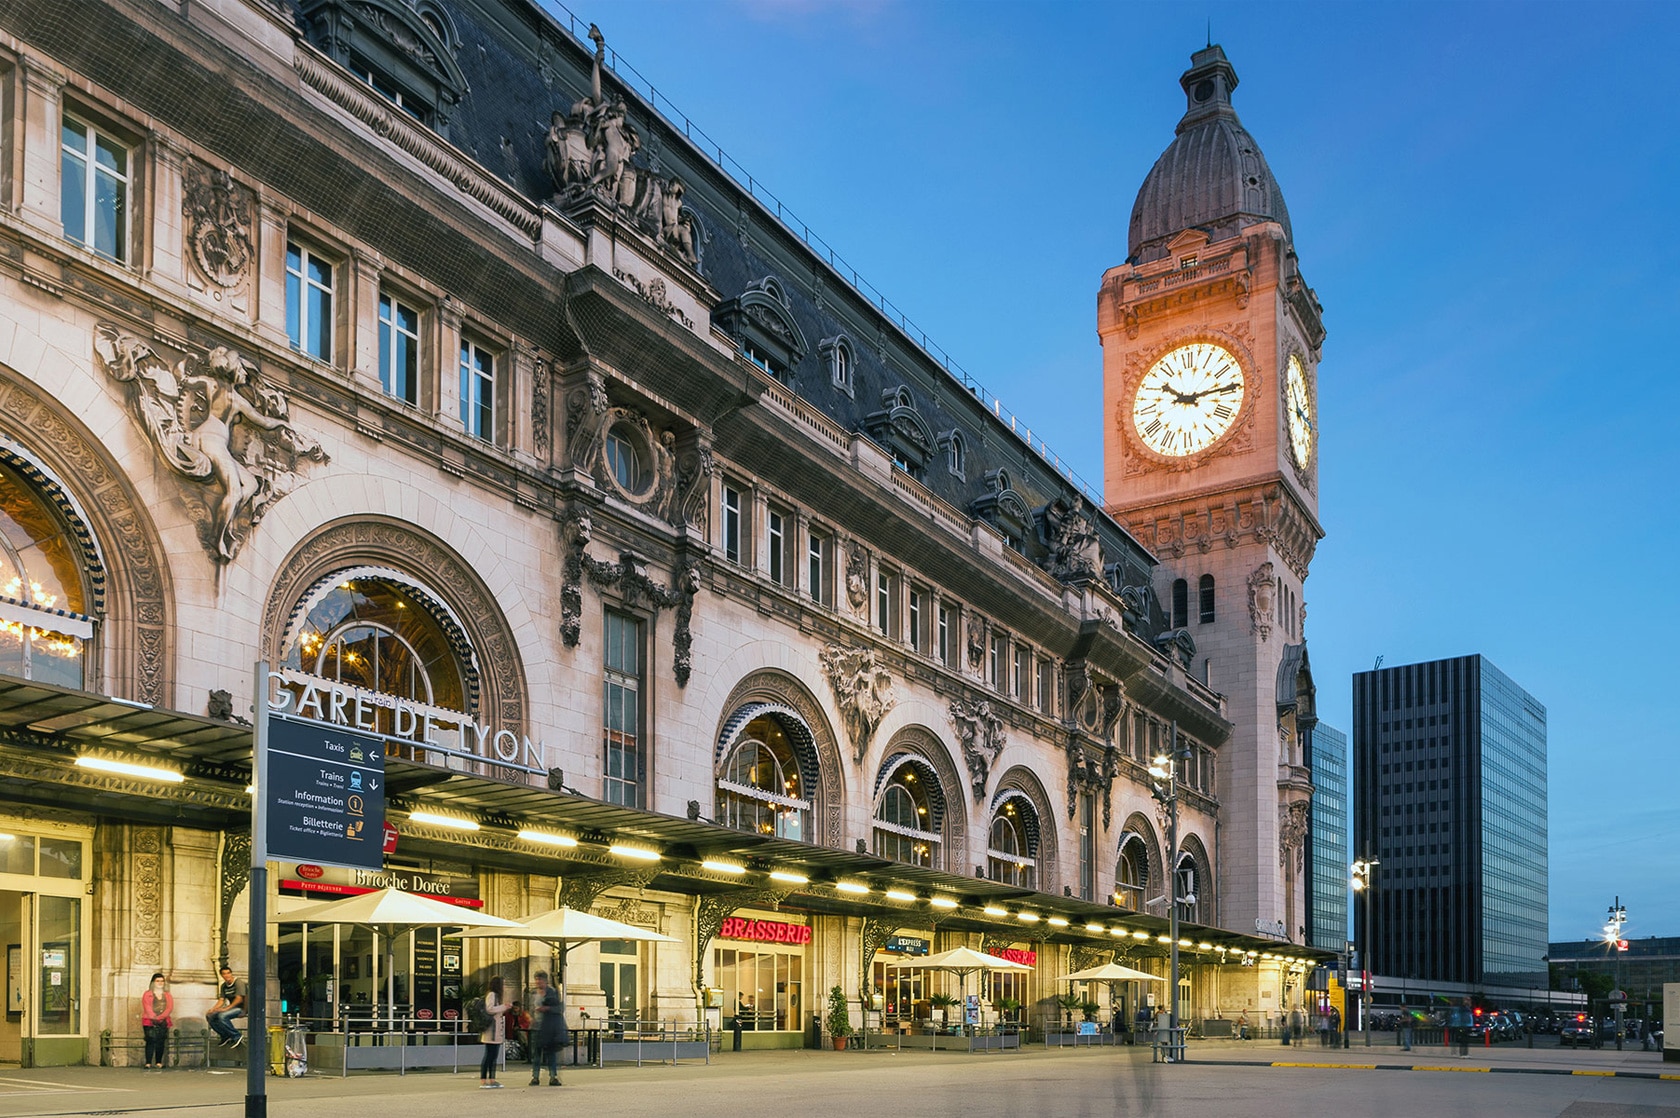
{"x":157,"y":1016}
{"x":494,"y":1034}
{"x":1324,"y":1028}
{"x":1295,"y":1026}
{"x":229,"y":1007}
{"x":1163,"y":1035}
{"x":1242,"y":1026}
{"x":550,"y":1032}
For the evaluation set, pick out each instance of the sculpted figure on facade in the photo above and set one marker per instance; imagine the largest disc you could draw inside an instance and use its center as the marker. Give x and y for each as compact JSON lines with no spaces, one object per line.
{"x":1070,"y":536}
{"x":857,"y":576}
{"x":215,"y":422}
{"x":218,"y":226}
{"x":863,"y":690}
{"x":976,"y":643}
{"x":980,"y":733}
{"x":1294,"y":820}
{"x":589,"y":153}
{"x":1262,"y":589}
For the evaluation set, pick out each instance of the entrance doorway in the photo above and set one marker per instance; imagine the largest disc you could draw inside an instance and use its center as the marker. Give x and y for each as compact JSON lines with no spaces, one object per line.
{"x":43,"y":930}
{"x":619,"y":965}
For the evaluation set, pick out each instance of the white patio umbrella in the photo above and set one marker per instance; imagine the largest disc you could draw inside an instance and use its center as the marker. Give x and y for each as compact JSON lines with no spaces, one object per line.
{"x":560,"y":928}
{"x":962,"y":962}
{"x":389,"y":913}
{"x":1111,"y":973}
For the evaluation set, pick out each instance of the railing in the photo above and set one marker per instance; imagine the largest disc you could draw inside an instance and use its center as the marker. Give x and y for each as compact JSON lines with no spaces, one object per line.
{"x":642,"y":1042}
{"x":713,"y":152}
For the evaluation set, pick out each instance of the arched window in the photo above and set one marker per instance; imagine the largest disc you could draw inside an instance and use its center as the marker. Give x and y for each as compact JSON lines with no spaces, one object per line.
{"x":373,"y":631}
{"x":760,"y":787}
{"x":1184,"y":885}
{"x":45,"y":629}
{"x":1180,"y":603}
{"x":625,"y":460}
{"x":1012,"y":847}
{"x":1204,"y":591}
{"x":956,"y":453}
{"x":907,"y":816}
{"x":1131,"y":875}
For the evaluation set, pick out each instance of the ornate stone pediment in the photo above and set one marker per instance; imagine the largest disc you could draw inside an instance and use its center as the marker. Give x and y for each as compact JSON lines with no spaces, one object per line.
{"x":217,"y":424}
{"x":409,"y":44}
{"x":1002,"y":507}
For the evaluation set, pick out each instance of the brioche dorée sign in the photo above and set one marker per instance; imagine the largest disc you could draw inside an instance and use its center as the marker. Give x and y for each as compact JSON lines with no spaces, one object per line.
{"x":765,"y":931}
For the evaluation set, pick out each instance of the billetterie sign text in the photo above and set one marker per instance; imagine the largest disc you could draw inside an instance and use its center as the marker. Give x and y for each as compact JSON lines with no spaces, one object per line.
{"x":433,"y":728}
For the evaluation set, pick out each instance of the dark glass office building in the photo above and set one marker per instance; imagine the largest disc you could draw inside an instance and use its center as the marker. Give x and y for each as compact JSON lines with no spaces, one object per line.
{"x":1450,"y":798}
{"x":1327,"y":849}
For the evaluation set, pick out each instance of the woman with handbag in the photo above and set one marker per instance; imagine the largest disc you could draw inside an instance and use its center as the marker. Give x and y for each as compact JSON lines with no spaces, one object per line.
{"x":157,"y":1015}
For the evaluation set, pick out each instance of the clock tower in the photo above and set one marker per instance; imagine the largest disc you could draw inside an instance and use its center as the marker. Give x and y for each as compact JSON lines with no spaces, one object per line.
{"x":1211,"y":341}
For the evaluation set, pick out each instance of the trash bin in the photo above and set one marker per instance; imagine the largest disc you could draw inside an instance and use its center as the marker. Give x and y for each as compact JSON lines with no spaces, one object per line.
{"x":277,"y":1050}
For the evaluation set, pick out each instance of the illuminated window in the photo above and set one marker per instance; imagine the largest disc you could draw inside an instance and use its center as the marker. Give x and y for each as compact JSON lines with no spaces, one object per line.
{"x":907,"y":817}
{"x":760,"y":788}
{"x":1131,"y":875}
{"x":44,"y":627}
{"x":1012,"y":852}
{"x":381,"y":636}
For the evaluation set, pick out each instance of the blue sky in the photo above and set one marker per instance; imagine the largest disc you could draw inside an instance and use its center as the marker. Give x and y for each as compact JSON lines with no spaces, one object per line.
{"x":1484,"y":197}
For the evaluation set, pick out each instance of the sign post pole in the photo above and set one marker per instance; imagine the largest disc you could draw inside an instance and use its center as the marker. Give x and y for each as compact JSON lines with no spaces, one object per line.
{"x":256,"y":1001}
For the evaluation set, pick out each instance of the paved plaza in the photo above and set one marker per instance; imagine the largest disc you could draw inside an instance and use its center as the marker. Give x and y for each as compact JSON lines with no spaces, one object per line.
{"x":1223,"y":1078}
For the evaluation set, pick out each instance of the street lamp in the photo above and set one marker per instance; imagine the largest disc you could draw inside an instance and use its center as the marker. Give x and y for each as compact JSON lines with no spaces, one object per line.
{"x":1163,"y":771}
{"x":1362,"y":871}
{"x":1614,"y":945}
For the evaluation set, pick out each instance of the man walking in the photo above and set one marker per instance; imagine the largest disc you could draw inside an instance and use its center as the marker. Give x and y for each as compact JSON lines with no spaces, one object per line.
{"x":230,"y":1005}
{"x":549,"y":1032}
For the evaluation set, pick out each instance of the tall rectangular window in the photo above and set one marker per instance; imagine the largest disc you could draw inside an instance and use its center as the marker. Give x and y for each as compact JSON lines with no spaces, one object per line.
{"x":914,"y":628}
{"x":731,"y":523}
{"x":478,"y":391}
{"x":309,"y":302}
{"x":885,"y":591}
{"x":1046,"y":687}
{"x":1019,"y":678}
{"x":942,"y":642}
{"x":775,"y":533}
{"x":998,"y":668}
{"x":399,"y":349}
{"x":622,"y":720}
{"x":1087,"y":846}
{"x":94,"y":189}
{"x":818,"y":552}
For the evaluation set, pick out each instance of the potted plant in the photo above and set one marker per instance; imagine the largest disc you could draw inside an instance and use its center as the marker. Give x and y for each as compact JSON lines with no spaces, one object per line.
{"x":839,"y":1021}
{"x":940,"y":1003}
{"x":1007,"y":1008}
{"x":1069,"y":1003}
{"x":1089,"y":1008}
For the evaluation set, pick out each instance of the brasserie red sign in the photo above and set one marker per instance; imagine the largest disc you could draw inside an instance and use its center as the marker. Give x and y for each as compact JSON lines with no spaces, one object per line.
{"x":1019,"y":955}
{"x":765,"y":931}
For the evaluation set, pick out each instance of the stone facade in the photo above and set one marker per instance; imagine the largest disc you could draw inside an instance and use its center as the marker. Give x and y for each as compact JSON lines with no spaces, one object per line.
{"x":699,"y":470}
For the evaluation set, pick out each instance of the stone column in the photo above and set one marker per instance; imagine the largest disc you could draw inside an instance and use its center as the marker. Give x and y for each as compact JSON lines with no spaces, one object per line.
{"x":448,"y":364}
{"x":270,"y":309}
{"x":43,"y":97}
{"x":357,"y":313}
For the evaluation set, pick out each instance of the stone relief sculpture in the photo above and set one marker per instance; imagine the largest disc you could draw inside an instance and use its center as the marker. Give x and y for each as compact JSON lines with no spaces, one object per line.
{"x":218,"y":225}
{"x":630,"y":578}
{"x":1091,"y":768}
{"x":862,"y":688}
{"x":980,"y":733}
{"x":589,"y":154}
{"x":857,"y":576}
{"x":1293,"y":821}
{"x":215,"y":422}
{"x":976,"y":643}
{"x":1262,"y":589}
{"x":1070,"y":535}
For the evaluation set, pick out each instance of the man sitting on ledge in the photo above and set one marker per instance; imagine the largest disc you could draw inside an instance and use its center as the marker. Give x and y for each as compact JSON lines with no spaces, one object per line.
{"x":230,"y":1005}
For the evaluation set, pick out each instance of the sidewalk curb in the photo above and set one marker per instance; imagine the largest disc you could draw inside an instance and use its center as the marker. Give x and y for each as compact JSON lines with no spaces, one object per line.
{"x":1600,"y":1073}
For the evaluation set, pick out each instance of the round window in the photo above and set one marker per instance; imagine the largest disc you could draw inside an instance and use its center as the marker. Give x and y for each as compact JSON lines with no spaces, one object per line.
{"x":628,"y":459}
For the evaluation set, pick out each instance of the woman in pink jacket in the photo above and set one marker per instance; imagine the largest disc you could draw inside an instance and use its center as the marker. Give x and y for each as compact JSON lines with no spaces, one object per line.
{"x":157,"y":1014}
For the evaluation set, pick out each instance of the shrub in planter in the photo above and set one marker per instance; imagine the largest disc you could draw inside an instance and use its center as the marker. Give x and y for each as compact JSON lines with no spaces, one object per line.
{"x":839,"y":1020}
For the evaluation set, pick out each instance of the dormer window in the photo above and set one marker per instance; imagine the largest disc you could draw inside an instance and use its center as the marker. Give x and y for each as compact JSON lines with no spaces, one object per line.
{"x":761,"y":321}
{"x":1004,"y":509}
{"x":837,"y":352}
{"x":404,"y":50}
{"x":1187,"y":261}
{"x":956,"y":453}
{"x":901,"y":431}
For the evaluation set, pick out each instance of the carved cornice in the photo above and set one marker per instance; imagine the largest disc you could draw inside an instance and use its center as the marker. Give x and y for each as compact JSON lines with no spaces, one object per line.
{"x":1265,"y":511}
{"x":359,"y":100}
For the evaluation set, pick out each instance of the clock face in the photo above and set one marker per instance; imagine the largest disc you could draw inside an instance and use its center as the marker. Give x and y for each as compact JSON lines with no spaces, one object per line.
{"x":1188,"y":399}
{"x":1303,"y":427}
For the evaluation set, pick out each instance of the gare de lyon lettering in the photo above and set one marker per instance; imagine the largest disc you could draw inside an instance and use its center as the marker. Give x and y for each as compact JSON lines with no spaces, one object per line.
{"x":434,"y":729}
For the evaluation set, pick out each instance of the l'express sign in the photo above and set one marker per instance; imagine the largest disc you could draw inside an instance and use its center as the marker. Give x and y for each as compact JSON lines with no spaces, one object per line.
{"x":434,"y":729}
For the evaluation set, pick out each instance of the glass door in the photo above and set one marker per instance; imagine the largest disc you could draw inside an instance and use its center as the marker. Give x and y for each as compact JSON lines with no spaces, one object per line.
{"x":619,"y":963}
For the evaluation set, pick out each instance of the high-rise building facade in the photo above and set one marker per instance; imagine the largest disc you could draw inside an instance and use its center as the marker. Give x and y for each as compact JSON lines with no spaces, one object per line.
{"x":1450,"y":799}
{"x":1327,"y":848}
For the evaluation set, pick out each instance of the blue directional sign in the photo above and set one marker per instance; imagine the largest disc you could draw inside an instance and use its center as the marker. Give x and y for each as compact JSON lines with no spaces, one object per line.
{"x":326,"y":794}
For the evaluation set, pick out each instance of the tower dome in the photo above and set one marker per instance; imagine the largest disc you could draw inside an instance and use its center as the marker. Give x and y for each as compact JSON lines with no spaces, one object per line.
{"x":1212,"y":177}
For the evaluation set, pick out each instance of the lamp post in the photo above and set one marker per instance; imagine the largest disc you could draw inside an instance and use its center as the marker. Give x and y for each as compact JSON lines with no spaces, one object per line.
{"x":1163,"y":770}
{"x":1362,"y":871}
{"x":1614,"y":945}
